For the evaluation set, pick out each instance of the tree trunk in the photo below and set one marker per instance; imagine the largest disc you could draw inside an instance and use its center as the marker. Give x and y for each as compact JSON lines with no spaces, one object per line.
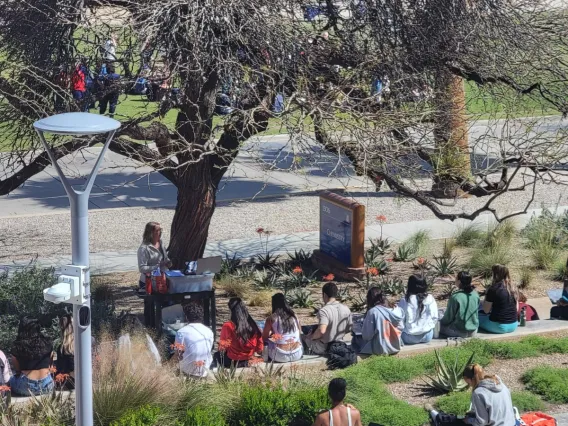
{"x":452,"y":165}
{"x":194,"y":210}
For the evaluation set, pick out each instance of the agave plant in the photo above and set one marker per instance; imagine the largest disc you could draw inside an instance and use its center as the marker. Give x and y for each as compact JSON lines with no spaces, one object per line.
{"x":300,"y":298}
{"x":229,"y":265}
{"x":449,"y":377}
{"x":266,"y":261}
{"x":265,"y":279}
{"x":300,"y":257}
{"x":405,"y":253}
{"x":445,"y":265}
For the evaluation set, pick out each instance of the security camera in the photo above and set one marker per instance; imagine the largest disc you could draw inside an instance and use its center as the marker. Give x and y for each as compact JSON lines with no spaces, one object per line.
{"x":71,"y":286}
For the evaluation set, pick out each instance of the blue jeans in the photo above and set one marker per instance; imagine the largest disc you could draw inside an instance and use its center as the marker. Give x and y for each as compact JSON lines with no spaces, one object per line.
{"x":494,"y":327}
{"x":21,"y":385}
{"x":411,"y":339}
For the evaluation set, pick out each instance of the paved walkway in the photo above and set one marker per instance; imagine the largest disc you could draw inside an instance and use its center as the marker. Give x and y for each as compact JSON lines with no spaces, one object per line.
{"x":125,"y":261}
{"x":266,"y":166}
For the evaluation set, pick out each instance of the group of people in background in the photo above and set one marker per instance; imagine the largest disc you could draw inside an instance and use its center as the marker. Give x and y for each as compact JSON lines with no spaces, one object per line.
{"x":88,"y":86}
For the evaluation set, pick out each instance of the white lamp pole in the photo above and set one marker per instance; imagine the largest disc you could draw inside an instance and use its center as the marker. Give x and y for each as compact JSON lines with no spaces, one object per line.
{"x":80,"y":124}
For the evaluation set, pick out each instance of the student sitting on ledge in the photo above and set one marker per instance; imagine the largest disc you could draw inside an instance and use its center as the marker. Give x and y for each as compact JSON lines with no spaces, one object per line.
{"x":500,"y":305}
{"x":460,"y":318}
{"x":380,"y":334}
{"x":561,"y":309}
{"x":334,"y":322}
{"x":32,"y":353}
{"x":420,"y":312}
{"x":240,"y":337}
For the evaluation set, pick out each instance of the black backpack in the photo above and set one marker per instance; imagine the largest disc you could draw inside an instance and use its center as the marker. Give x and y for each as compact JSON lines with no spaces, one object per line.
{"x":340,"y":356}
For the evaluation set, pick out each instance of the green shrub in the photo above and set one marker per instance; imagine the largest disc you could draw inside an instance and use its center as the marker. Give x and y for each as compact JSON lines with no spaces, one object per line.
{"x":143,"y":416}
{"x":500,"y":234}
{"x":525,"y":278}
{"x":22,"y":293}
{"x":265,"y":406}
{"x":454,"y":403}
{"x":484,"y":258}
{"x":550,"y":382}
{"x":527,"y":401}
{"x":375,"y":402}
{"x":545,"y":253}
{"x":559,"y":270}
{"x":468,"y":236}
{"x":391,"y":369}
{"x":203,"y":416}
{"x":458,"y":403}
{"x":419,"y":241}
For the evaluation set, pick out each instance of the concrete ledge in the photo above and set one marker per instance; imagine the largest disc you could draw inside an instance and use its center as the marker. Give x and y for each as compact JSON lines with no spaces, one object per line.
{"x":25,"y":399}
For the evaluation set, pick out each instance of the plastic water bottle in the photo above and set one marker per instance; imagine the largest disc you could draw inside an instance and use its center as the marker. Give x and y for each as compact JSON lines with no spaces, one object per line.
{"x":523,"y":321}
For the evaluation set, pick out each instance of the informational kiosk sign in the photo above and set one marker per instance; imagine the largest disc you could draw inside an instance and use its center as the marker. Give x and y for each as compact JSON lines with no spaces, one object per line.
{"x":342,"y":229}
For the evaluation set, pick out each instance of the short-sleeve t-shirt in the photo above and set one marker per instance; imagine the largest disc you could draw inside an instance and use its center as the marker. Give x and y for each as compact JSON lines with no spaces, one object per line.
{"x":504,"y":309}
{"x":197,"y":341}
{"x":337,"y":317}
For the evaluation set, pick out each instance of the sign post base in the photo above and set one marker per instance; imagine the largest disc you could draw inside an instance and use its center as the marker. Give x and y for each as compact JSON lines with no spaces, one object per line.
{"x":328,"y":264}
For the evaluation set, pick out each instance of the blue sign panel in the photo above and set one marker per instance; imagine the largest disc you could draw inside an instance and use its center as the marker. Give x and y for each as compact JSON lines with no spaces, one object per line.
{"x":336,"y":229}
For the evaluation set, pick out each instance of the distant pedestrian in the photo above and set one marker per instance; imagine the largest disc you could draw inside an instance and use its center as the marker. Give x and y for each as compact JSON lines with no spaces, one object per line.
{"x":79,"y":87}
{"x":110,"y":91}
{"x":109,"y":48}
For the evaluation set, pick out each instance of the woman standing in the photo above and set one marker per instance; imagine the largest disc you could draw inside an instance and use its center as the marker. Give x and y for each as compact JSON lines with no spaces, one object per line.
{"x":282,"y":332}
{"x":65,"y":362}
{"x":151,"y":256}
{"x":461,"y":318}
{"x":240,"y":337}
{"x":500,"y":304}
{"x":32,"y":352}
{"x":420,"y":312}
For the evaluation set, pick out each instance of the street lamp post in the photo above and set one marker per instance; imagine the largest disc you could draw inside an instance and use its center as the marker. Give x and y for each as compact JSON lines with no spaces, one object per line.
{"x":80,"y":124}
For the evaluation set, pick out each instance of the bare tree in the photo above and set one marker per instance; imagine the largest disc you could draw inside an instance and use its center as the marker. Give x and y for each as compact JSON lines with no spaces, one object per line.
{"x":410,"y":134}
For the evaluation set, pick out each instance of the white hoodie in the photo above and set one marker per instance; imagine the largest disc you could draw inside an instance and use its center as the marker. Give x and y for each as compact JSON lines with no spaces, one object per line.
{"x":414,"y":324}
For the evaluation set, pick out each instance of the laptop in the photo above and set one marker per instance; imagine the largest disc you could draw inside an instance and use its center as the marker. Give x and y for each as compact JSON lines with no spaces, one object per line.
{"x":209,"y":265}
{"x":554,"y":295}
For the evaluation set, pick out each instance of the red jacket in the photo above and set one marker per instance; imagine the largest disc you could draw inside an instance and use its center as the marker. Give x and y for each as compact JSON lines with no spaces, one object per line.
{"x":78,"y":80}
{"x":239,"y":350}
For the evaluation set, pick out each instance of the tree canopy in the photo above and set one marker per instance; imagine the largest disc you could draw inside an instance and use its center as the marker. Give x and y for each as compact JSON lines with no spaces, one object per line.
{"x":391,"y":86}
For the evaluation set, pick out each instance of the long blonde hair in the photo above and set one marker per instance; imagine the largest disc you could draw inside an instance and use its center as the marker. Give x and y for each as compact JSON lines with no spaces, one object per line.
{"x":67,"y":337}
{"x":501,"y":274}
{"x":148,"y":236}
{"x":475,"y":373}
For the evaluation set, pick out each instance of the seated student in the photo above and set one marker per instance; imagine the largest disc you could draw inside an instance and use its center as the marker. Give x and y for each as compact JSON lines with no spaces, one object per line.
{"x":380,"y":333}
{"x":334,"y":322}
{"x":500,"y":305}
{"x":194,"y":342}
{"x":240,"y":337}
{"x":561,"y":309}
{"x":282,"y":332}
{"x":65,"y":362}
{"x":340,"y":413}
{"x":491,"y":403}
{"x":31,"y":353}
{"x":420,"y":312}
{"x":460,"y":318}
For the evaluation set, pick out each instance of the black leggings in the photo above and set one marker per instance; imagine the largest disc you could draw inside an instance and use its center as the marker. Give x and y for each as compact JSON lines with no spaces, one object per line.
{"x":559,"y":312}
{"x":226,"y":361}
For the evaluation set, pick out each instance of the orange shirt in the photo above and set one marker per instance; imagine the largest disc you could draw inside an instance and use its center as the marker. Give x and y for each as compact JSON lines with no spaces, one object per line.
{"x":239,"y":350}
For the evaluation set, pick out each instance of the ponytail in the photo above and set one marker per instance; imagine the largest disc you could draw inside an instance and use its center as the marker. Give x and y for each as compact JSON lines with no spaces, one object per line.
{"x":475,"y":373}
